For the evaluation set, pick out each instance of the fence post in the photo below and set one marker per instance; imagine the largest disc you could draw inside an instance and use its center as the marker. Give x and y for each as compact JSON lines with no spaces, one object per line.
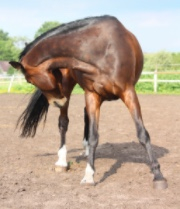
{"x":10,"y":84}
{"x":155,"y":80}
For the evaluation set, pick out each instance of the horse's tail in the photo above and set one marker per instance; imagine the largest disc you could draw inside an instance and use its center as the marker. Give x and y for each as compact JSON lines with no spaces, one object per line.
{"x":33,"y":114}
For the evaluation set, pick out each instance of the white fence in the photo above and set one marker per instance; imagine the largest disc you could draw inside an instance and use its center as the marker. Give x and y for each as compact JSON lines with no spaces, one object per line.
{"x":155,"y":80}
{"x":10,"y":80}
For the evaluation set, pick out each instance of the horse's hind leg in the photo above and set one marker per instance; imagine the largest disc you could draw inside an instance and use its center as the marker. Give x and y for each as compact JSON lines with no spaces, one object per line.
{"x":61,"y":164}
{"x":130,"y":99}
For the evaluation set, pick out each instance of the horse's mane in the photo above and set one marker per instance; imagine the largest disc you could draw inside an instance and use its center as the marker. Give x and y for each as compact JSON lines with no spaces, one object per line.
{"x":61,"y":29}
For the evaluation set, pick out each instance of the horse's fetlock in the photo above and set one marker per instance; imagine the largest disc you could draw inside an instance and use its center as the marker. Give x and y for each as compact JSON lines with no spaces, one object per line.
{"x":155,"y":168}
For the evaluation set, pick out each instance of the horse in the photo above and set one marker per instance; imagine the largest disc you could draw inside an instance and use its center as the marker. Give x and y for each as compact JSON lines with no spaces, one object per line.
{"x":106,"y":60}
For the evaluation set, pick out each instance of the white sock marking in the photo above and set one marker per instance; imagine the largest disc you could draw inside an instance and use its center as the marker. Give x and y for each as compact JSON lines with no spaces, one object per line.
{"x":89,"y":173}
{"x":62,"y":153}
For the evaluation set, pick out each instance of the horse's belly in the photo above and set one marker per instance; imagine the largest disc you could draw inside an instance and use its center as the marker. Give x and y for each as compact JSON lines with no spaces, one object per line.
{"x":106,"y":89}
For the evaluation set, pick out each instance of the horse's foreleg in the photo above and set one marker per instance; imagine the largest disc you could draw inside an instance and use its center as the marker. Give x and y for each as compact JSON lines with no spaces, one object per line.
{"x":130,"y":99}
{"x":93,"y":108}
{"x":86,"y":133}
{"x":61,"y":164}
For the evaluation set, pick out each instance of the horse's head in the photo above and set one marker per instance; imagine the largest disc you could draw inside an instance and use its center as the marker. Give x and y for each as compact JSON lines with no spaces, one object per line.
{"x":45,"y":78}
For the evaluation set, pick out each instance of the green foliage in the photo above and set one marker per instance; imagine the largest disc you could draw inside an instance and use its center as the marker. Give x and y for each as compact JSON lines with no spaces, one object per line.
{"x":20,"y":42}
{"x":45,"y":27}
{"x":8,"y":50}
{"x":21,"y":87}
{"x":3,"y":35}
{"x":163,"y":88}
{"x":160,"y":60}
{"x":141,"y":87}
{"x":175,"y":58}
{"x":78,"y":90}
{"x":24,"y":87}
{"x":11,"y":71}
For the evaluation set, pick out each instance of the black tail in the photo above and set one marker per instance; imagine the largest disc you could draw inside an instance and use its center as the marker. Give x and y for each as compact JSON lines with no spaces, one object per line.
{"x":33,"y":114}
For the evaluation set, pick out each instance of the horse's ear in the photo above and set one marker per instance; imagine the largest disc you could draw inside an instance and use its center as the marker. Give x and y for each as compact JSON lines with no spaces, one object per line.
{"x":16,"y":65}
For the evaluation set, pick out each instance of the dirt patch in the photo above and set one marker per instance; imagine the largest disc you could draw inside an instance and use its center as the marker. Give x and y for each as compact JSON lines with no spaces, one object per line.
{"x":28,"y":180}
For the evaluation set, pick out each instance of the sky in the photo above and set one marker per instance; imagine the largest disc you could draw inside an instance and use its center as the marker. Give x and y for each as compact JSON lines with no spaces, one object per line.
{"x":156,"y":23}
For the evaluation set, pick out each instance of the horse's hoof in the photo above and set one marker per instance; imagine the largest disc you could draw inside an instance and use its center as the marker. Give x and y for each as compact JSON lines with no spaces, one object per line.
{"x":162,"y":184}
{"x":87,"y":183}
{"x":60,"y":169}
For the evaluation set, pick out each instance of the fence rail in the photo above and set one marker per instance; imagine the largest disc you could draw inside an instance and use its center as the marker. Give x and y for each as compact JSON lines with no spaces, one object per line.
{"x":155,"y":80}
{"x":10,"y":80}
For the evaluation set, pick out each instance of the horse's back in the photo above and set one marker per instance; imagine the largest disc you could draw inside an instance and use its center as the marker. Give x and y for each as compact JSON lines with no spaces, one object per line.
{"x":101,"y":42}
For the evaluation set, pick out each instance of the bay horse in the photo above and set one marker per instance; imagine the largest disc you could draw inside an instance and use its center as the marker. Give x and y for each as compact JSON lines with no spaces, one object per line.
{"x":106,"y":60}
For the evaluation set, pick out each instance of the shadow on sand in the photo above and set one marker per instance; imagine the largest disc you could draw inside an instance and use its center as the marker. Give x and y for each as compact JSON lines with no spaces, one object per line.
{"x":131,"y":152}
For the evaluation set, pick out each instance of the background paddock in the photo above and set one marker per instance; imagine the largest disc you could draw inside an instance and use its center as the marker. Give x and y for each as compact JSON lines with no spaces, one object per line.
{"x":27,"y":177}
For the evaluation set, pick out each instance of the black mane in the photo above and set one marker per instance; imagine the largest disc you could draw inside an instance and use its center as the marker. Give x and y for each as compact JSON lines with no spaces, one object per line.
{"x":61,"y":29}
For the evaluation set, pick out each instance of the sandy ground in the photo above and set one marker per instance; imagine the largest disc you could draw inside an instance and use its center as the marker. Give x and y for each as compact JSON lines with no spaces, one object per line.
{"x":28,"y":179}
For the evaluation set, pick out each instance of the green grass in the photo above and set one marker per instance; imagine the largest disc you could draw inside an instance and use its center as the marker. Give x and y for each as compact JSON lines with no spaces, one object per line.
{"x":28,"y":88}
{"x":17,"y":88}
{"x":163,"y":88}
{"x":78,"y":90}
{"x":141,"y":87}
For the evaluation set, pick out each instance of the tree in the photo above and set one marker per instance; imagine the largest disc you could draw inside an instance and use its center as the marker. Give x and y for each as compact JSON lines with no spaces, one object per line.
{"x":20,"y":42}
{"x":11,"y":71}
{"x":160,"y":61}
{"x":3,"y":35}
{"x":45,"y":27}
{"x":8,"y":50}
{"x":176,"y":58}
{"x":10,"y":47}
